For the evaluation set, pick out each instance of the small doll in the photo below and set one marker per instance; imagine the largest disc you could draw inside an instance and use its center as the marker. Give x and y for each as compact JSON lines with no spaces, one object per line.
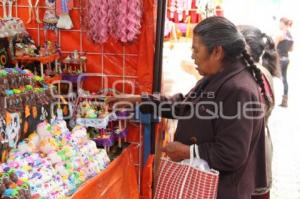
{"x":105,"y":139}
{"x":121,"y":130}
{"x":50,"y":19}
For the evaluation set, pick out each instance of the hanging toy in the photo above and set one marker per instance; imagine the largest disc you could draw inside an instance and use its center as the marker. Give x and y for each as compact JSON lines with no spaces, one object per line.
{"x":172,"y":8}
{"x":121,"y":131}
{"x":50,"y":19}
{"x":63,"y":8}
{"x":180,"y":9}
{"x":10,"y":5}
{"x":33,"y":12}
{"x":4,"y":8}
{"x":187,"y":6}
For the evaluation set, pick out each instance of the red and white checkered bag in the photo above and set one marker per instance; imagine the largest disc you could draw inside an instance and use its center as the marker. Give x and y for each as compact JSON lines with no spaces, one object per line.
{"x":185,"y":180}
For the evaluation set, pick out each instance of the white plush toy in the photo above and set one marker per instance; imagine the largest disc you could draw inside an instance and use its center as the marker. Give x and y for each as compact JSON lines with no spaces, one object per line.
{"x":54,"y":158}
{"x":44,"y":130}
{"x":47,"y":145}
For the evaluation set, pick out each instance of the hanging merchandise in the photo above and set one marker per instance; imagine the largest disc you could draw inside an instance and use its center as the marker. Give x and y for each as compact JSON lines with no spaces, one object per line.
{"x":63,"y":8}
{"x":128,"y":23}
{"x":96,"y":20}
{"x":118,"y":18}
{"x":112,"y":18}
{"x":172,"y":8}
{"x":187,"y":6}
{"x":10,"y":5}
{"x":180,"y":7}
{"x":205,"y":7}
{"x":134,"y":19}
{"x":34,"y":11}
{"x":50,"y":19}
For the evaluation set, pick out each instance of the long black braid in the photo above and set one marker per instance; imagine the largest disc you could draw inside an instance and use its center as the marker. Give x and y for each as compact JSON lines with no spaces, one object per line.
{"x":257,"y":74}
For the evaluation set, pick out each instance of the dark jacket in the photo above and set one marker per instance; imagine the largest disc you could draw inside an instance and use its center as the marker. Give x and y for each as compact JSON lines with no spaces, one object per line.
{"x":235,"y":146}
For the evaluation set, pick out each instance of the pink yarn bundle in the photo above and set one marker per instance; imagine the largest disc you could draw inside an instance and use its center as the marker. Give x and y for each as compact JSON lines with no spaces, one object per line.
{"x":84,"y":14}
{"x":121,"y":18}
{"x":118,"y":18}
{"x":96,"y":20}
{"x":134,"y":19}
{"x":92,"y":18}
{"x":112,"y":17}
{"x":102,"y":26}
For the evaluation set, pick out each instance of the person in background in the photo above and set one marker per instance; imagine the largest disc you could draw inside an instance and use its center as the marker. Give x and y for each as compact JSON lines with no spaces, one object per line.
{"x":262,"y":48}
{"x":230,"y":141}
{"x":284,"y":43}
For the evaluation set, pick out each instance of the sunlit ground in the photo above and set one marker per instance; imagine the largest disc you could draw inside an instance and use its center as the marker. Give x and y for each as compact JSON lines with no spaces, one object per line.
{"x":285,"y":132}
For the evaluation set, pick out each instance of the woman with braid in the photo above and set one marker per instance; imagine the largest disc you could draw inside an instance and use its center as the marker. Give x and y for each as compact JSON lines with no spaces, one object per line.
{"x":223,"y":113}
{"x":262,"y":48}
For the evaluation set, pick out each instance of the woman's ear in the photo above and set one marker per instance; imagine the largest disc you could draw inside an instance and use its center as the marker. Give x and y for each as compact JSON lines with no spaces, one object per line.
{"x":218,"y":53}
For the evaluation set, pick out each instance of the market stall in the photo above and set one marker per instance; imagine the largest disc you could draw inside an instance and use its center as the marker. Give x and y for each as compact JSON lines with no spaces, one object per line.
{"x":49,"y":149}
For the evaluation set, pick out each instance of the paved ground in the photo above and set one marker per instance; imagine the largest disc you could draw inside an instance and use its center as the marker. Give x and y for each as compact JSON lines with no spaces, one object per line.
{"x":285,"y":131}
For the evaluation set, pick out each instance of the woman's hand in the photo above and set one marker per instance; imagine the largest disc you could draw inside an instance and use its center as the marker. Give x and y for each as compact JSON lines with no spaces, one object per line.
{"x":177,"y":151}
{"x":124,"y":98}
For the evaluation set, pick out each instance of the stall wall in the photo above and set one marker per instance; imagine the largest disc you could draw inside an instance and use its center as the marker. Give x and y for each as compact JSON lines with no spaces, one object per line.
{"x":126,"y":62}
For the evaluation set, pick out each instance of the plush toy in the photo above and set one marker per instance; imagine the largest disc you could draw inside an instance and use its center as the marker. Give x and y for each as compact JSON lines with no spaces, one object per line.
{"x":44,"y":130}
{"x":54,"y":158}
{"x":79,"y":135}
{"x":33,"y":141}
{"x":47,"y":145}
{"x":24,"y":147}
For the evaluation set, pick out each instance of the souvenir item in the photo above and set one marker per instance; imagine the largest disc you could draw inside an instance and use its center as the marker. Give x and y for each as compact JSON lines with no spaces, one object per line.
{"x":33,"y":10}
{"x":63,"y":8}
{"x":9,"y":6}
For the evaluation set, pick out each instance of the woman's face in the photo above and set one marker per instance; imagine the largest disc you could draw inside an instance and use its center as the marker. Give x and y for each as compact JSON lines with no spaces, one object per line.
{"x":207,"y":64}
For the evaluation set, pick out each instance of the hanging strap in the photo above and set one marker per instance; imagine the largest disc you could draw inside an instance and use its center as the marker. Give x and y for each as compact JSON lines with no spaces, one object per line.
{"x":37,"y":15}
{"x":30,"y":8}
{"x":4,"y":8}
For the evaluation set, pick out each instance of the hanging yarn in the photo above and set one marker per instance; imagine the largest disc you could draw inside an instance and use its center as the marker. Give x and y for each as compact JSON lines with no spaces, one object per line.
{"x":122,"y":21}
{"x":95,"y":20}
{"x":92,"y":15}
{"x":84,"y":15}
{"x":134,"y":19}
{"x":112,"y":17}
{"x":103,"y":21}
{"x":117,"y":18}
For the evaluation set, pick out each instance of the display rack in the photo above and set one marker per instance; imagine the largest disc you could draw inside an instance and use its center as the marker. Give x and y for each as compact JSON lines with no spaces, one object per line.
{"x":43,"y":60}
